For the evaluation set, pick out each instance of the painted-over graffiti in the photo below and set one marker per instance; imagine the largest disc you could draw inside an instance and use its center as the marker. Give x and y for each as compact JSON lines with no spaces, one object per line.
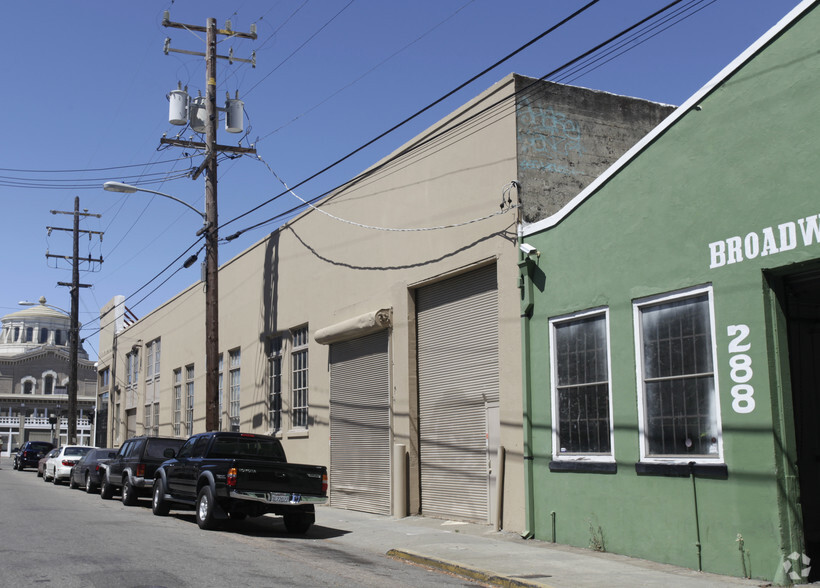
{"x":545,"y":135}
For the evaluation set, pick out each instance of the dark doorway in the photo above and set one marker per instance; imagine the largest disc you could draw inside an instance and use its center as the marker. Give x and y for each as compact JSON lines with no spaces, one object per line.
{"x":802,"y":306}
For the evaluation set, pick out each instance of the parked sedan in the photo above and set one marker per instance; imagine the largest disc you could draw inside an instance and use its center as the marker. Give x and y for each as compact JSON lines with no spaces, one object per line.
{"x":41,"y":465}
{"x":58,"y":468}
{"x":86,"y":472}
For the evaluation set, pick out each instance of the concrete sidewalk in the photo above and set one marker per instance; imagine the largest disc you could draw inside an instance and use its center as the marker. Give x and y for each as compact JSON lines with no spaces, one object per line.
{"x":504,"y":559}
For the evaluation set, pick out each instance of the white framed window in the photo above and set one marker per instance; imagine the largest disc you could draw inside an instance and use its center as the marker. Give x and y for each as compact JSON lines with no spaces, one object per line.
{"x":49,"y":379}
{"x":189,"y":400}
{"x":152,"y":357}
{"x":149,"y":361}
{"x":156,"y":358}
{"x":29,"y":384}
{"x":155,"y":422}
{"x":221,"y":389}
{"x":581,"y":386}
{"x":234,"y":383}
{"x":177,"y":401}
{"x":132,"y":368}
{"x":299,"y":378}
{"x":678,"y":406}
{"x":275,"y":385}
{"x":147,"y":420}
{"x":105,"y":377}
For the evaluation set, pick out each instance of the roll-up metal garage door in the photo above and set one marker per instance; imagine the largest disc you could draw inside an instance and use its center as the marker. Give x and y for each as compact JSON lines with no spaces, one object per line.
{"x":458,"y":376}
{"x":360,"y":424}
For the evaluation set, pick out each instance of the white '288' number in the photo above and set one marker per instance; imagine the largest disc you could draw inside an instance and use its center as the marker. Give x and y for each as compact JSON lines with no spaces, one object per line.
{"x":741,"y":369}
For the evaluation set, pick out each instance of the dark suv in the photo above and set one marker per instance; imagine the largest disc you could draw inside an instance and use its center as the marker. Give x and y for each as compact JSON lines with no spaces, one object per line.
{"x":30,"y":453}
{"x":131,"y":471}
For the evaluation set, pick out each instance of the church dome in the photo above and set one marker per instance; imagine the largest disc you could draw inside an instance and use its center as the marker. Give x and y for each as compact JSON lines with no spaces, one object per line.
{"x":36,"y":327}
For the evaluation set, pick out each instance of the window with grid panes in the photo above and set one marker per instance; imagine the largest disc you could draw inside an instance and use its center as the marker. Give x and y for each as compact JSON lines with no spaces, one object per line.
{"x":130,"y":359}
{"x":156,"y":358}
{"x":234,"y":383}
{"x":146,"y":423}
{"x":275,"y":385}
{"x":177,"y":401}
{"x":220,"y":390}
{"x":580,"y":357}
{"x":155,"y":428}
{"x":189,"y":400}
{"x":116,"y":420}
{"x":149,"y":361}
{"x":299,"y":378}
{"x":679,"y":398}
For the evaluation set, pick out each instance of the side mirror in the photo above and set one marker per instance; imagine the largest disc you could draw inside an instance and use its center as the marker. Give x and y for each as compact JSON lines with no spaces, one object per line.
{"x":169,"y":453}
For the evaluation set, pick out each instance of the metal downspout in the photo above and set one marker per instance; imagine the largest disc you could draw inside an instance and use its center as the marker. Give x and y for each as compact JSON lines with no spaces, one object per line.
{"x":525,"y":284}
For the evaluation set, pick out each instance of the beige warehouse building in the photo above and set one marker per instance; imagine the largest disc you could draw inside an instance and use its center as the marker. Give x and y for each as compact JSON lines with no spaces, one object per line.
{"x":379,"y":334}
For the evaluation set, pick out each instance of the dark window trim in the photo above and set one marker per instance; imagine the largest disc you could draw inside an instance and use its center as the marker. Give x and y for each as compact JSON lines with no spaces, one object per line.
{"x":592,"y":467}
{"x":718,"y":471}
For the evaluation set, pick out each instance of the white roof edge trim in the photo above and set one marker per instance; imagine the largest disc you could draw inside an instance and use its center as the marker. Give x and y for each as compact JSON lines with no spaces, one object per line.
{"x":551,"y":221}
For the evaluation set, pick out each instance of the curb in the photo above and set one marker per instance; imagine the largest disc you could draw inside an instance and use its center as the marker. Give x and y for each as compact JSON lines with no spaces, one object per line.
{"x":464,"y":571}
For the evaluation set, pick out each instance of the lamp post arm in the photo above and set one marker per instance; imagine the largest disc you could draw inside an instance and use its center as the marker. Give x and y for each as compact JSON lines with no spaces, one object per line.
{"x":129,"y":189}
{"x":201,"y":214}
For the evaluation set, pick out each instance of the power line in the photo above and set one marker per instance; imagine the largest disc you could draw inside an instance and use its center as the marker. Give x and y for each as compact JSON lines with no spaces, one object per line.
{"x":425,"y":109}
{"x":299,"y":48}
{"x":635,"y":40}
{"x":429,"y":141}
{"x":368,"y":72}
{"x":93,"y":169}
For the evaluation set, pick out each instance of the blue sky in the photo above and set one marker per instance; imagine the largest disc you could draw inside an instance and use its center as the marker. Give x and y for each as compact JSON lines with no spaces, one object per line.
{"x":85,"y":100}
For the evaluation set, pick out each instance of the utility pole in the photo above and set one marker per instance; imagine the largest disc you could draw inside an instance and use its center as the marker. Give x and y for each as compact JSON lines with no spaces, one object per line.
{"x":74,"y":328}
{"x":211,"y":149}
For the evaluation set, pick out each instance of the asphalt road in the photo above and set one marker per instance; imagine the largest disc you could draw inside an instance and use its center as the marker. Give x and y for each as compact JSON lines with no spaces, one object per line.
{"x":54,"y":536}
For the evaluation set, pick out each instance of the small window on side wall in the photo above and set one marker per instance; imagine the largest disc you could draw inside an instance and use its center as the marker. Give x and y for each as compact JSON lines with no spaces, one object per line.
{"x":581,"y":403}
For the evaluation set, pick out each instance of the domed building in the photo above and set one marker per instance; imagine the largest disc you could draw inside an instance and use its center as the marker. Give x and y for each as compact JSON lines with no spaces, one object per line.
{"x":34,"y":373}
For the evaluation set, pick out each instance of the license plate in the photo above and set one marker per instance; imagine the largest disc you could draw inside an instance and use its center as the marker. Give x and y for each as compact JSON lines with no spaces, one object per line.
{"x":279,"y":497}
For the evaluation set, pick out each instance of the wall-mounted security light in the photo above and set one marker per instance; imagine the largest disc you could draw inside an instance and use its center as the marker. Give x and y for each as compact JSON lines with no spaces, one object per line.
{"x":528,"y":250}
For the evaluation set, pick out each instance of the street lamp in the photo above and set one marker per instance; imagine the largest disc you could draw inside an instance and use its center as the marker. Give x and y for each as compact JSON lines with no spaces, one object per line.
{"x":209,"y":229}
{"x":129,"y":189}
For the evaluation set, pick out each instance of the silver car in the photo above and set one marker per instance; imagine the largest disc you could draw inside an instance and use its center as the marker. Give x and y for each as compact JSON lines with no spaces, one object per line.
{"x":58,"y":467}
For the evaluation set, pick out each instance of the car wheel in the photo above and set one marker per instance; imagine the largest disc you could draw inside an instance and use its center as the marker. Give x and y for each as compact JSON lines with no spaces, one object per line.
{"x":205,"y":509}
{"x":39,"y":473}
{"x":14,"y":464}
{"x":45,"y":475}
{"x":159,"y":506}
{"x":129,"y":493}
{"x":54,"y":479}
{"x":106,"y":490}
{"x":89,"y":485}
{"x":298,"y":523}
{"x":72,"y":483}
{"x":20,"y":467}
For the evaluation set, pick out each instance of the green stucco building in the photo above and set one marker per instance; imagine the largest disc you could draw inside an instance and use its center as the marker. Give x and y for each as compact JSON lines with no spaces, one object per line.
{"x":671,"y":332}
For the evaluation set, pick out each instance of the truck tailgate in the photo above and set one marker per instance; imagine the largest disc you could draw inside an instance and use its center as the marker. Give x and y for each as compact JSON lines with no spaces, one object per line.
{"x":264,"y":476}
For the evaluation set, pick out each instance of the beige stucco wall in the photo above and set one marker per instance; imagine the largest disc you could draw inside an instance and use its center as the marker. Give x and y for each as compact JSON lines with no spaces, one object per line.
{"x":320,"y":271}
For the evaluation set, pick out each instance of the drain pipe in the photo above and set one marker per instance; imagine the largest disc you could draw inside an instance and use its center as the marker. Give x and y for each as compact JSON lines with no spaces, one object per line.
{"x":525,"y":284}
{"x":697,"y":515}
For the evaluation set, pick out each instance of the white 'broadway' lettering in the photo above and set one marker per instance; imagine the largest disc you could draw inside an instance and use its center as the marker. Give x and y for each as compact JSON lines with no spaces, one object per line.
{"x":768,"y":241}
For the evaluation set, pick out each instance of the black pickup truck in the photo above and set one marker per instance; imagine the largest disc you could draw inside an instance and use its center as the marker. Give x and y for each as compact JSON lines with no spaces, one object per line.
{"x":228,"y":474}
